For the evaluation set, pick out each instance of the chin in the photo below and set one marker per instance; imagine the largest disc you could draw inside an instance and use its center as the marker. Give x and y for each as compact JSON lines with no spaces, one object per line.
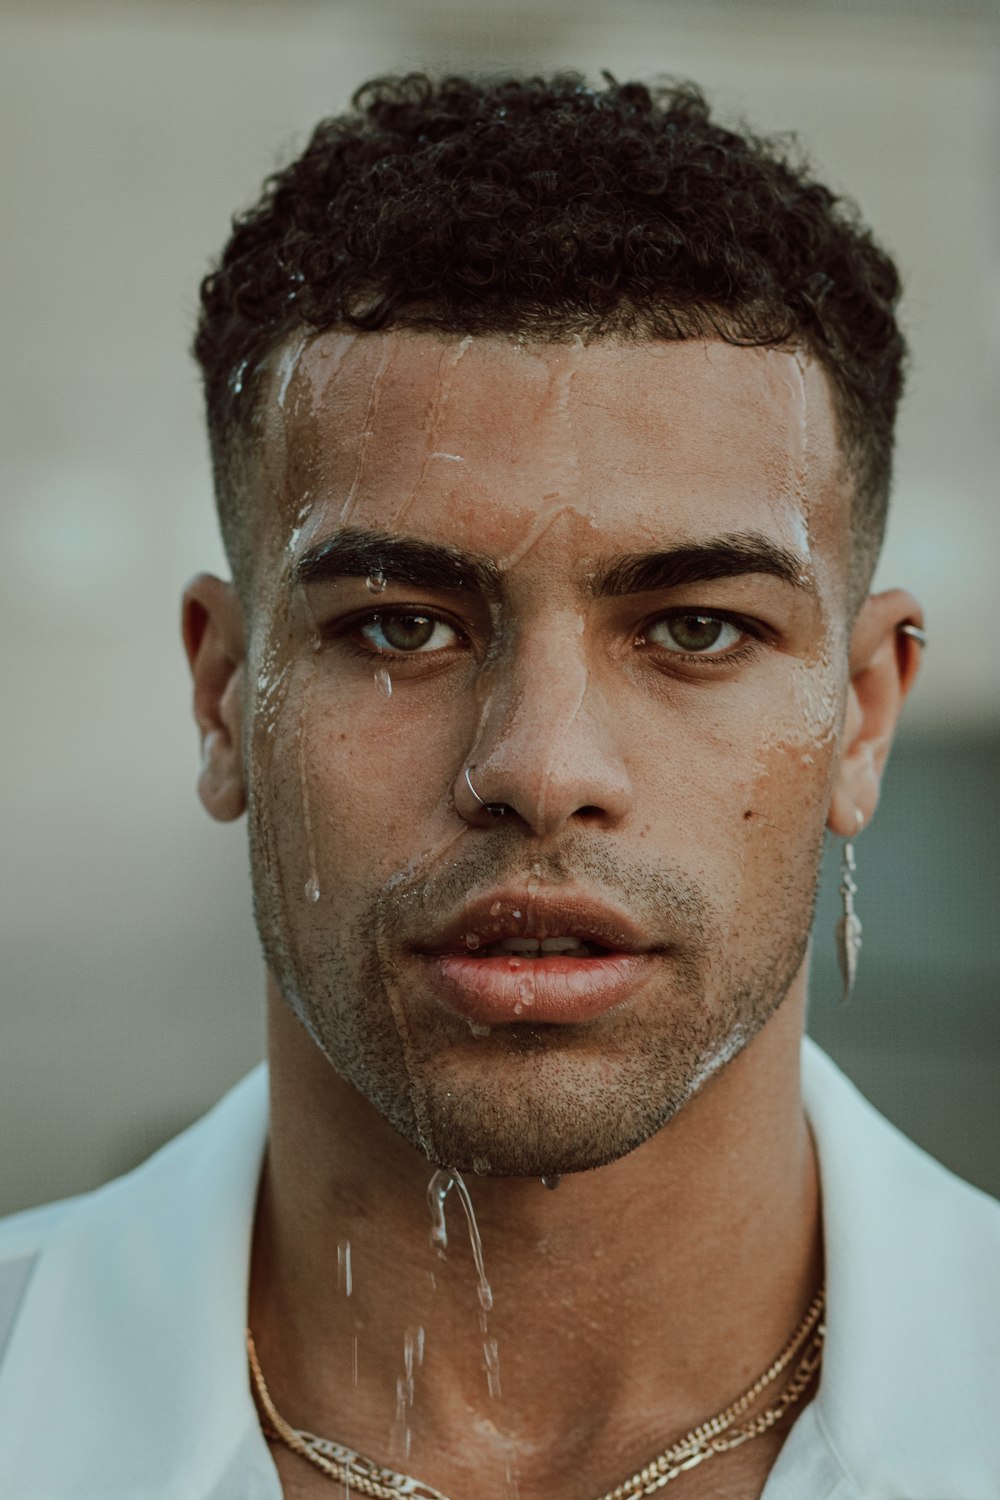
{"x":575,"y":1124}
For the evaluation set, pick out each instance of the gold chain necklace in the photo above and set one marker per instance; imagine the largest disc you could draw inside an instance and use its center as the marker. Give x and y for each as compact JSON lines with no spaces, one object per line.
{"x":362,"y":1475}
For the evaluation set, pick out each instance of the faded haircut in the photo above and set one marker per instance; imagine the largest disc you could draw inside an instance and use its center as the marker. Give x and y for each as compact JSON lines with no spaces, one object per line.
{"x":546,"y":208}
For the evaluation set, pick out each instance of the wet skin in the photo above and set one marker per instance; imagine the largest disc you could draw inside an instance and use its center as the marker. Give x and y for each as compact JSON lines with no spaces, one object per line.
{"x":551,"y":524}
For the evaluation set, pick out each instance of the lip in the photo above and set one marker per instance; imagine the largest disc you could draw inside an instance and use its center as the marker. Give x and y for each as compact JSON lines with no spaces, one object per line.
{"x":518,"y":912}
{"x":560,"y":991}
{"x":510,"y":988}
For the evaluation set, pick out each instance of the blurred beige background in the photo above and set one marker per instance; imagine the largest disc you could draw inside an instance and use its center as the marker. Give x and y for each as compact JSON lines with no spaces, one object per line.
{"x":129,"y":980}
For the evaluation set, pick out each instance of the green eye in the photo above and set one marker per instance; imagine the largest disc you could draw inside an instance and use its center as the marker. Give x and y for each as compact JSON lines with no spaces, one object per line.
{"x":694,"y":634}
{"x":407,"y":633}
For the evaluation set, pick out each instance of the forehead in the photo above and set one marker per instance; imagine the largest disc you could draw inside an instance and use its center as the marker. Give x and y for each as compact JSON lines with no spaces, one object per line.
{"x":472,"y":440}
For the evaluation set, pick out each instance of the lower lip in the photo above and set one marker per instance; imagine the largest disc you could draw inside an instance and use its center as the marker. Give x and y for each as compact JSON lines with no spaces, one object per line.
{"x":561,"y":990}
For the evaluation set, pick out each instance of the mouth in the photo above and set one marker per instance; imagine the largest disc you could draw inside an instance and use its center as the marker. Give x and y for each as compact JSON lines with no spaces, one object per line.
{"x":559,"y":958}
{"x":564,"y":945}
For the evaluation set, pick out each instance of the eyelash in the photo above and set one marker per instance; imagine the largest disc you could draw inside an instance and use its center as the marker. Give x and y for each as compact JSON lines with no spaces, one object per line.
{"x":346,"y":631}
{"x":748,"y":650}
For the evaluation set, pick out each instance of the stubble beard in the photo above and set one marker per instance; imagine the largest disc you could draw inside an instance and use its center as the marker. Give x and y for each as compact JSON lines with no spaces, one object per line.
{"x":529,"y":1100}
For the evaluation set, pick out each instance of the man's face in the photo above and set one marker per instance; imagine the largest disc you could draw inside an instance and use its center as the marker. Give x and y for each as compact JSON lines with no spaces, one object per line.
{"x":627,"y":613}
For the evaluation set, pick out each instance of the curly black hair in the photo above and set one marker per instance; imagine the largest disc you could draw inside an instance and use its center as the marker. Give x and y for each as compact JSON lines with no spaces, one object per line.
{"x":545,"y":207}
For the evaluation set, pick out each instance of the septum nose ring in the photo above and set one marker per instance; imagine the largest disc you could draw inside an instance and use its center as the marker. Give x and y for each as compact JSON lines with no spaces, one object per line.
{"x":495,"y":809}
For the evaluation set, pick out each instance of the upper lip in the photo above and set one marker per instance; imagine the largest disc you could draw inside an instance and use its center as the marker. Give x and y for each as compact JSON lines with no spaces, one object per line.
{"x":544,"y":914}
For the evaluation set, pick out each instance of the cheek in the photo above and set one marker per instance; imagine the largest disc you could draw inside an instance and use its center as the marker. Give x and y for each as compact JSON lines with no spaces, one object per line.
{"x":736,"y":782}
{"x":787,"y":796}
{"x":783,"y":816}
{"x":362,"y":782}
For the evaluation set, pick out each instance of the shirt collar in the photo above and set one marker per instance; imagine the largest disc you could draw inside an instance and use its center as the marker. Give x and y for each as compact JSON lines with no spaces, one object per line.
{"x":907,"y":1397}
{"x":126,"y":1374}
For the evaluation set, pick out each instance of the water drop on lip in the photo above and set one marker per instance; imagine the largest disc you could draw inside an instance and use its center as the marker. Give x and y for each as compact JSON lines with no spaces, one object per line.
{"x":496,"y":909}
{"x":383,"y":682}
{"x":552,"y":1180}
{"x":472,"y":940}
{"x":375,"y":583}
{"x":516,"y":915}
{"x":312,"y":889}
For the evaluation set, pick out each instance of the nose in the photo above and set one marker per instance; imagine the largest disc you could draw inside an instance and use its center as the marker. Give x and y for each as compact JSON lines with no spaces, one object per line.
{"x":546,"y":748}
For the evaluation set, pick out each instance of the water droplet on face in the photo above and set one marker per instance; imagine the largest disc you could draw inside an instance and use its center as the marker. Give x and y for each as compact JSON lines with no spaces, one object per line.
{"x":516,"y":915}
{"x":496,"y":909}
{"x":536,"y":870}
{"x":344,"y":1275}
{"x":480,"y":1166}
{"x":383,"y":682}
{"x":438,"y":1189}
{"x":525,"y":993}
{"x":472,"y":940}
{"x":552,"y":1181}
{"x":519,"y":1009}
{"x":236,"y":379}
{"x":491,"y":1359}
{"x":312,"y":889}
{"x":514,"y":964}
{"x":375,"y":583}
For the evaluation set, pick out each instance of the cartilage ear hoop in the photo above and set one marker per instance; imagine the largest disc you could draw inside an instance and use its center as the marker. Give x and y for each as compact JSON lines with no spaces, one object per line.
{"x":849,"y":926}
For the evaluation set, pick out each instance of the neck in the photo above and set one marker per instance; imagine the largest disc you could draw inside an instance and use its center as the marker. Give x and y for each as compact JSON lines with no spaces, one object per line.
{"x":628,"y":1306}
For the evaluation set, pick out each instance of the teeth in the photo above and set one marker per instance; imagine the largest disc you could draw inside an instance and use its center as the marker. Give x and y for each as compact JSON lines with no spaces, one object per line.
{"x":567,"y":946}
{"x":537,"y":945}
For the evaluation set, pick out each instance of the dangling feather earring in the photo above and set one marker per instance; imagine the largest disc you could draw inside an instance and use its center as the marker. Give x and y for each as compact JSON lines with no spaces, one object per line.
{"x":849,"y":926}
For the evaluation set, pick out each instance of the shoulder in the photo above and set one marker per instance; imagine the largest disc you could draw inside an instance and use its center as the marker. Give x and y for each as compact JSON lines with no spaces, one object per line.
{"x":90,"y":1234}
{"x":24,"y":1238}
{"x":886,"y":1168}
{"x":131,"y":1299}
{"x":913,"y":1303}
{"x":23,"y":1235}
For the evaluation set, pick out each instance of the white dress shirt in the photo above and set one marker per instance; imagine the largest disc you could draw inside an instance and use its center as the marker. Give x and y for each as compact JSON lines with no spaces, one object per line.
{"x":123,"y":1369}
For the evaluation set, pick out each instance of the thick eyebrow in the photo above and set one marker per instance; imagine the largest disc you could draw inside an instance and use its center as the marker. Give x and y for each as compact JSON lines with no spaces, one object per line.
{"x":720,"y":557}
{"x":363,"y":554}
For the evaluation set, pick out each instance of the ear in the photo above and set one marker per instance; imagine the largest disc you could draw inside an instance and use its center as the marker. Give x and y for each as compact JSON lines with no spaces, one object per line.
{"x":883,"y":663}
{"x":214,"y":633}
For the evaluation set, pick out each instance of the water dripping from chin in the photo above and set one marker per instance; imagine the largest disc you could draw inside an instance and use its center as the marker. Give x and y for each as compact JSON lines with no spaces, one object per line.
{"x":440,"y":1185}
